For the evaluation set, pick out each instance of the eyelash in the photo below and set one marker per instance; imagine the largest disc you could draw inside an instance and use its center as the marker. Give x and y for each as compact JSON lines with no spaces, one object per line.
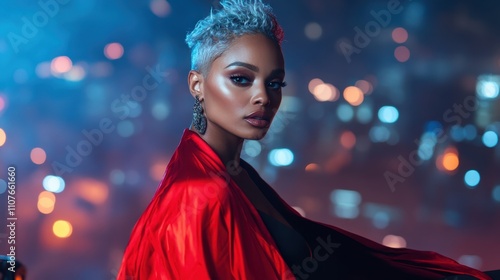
{"x":234,"y":78}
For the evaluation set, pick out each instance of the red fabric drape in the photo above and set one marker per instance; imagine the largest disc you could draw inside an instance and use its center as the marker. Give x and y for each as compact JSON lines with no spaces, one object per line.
{"x":200,"y":225}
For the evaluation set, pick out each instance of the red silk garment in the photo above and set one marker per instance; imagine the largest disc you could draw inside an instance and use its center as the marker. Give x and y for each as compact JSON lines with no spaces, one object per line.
{"x":200,"y":225}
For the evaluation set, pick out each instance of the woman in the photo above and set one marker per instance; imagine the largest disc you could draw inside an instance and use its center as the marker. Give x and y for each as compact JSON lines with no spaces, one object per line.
{"x":212,"y":216}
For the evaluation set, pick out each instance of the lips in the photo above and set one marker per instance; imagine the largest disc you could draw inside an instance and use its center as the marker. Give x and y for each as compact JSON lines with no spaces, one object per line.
{"x":260,"y":119}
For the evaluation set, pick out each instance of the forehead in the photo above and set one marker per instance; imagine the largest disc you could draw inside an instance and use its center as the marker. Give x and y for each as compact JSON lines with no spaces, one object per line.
{"x":256,"y":49}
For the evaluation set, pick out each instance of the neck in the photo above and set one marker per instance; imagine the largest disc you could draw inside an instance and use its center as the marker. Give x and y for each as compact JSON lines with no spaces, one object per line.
{"x":226,"y":146}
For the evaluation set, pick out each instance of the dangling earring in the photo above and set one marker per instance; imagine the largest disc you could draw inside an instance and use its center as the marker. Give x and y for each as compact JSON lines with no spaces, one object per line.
{"x":199,"y":121}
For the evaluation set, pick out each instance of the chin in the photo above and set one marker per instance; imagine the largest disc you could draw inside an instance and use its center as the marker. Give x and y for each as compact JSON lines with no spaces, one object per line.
{"x":256,"y":135}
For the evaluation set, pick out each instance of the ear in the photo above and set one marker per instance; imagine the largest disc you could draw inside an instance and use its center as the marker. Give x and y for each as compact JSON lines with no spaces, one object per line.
{"x":195,"y":81}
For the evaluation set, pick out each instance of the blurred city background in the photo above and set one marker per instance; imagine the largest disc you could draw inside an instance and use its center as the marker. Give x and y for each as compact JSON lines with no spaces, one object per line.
{"x":388,"y":127}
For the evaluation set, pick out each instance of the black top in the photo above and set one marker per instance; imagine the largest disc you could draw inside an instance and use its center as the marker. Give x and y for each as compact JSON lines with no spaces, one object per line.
{"x":292,"y":246}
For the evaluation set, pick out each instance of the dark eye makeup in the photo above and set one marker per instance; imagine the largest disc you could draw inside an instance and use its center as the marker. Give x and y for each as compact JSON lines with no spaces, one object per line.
{"x":242,"y":81}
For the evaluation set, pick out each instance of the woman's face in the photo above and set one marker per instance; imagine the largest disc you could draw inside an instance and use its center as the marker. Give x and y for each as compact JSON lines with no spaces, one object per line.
{"x":242,"y":89}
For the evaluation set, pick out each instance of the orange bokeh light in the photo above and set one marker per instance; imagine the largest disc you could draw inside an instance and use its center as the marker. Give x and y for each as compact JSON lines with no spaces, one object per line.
{"x":46,"y":202}
{"x":348,"y":139}
{"x":91,"y":190}
{"x":353,"y":95}
{"x":311,"y":167}
{"x":157,"y":170}
{"x":62,"y":229}
{"x":3,"y":137}
{"x":323,"y":92}
{"x":448,"y":161}
{"x":313,"y":84}
{"x":394,"y":241}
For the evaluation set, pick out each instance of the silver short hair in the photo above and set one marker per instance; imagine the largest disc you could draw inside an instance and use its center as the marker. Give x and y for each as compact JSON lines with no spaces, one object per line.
{"x":213,"y":34}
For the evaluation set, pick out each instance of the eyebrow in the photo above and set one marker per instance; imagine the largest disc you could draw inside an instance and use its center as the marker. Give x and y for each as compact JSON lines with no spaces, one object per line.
{"x":253,"y":67}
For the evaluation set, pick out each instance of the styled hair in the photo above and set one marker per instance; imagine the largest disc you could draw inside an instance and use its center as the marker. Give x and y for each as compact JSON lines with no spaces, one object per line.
{"x":214,"y":34}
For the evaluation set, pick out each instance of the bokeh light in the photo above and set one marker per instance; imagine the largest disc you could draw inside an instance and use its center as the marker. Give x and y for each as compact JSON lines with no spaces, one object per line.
{"x":3,"y":137}
{"x":394,"y":241}
{"x":38,"y":156}
{"x":472,"y":178}
{"x":388,"y":114}
{"x":46,"y":202}
{"x":488,"y":86}
{"x":281,"y":157}
{"x":325,"y":92}
{"x":490,"y":139}
{"x":61,"y":65}
{"x":76,"y":74}
{"x":3,"y":186}
{"x":402,"y":54}
{"x":399,"y":35}
{"x":346,"y":203}
{"x":157,"y":170}
{"x":252,"y":148}
{"x":62,"y":229}
{"x":117,"y":177}
{"x":312,"y":167}
{"x":160,"y":111}
{"x":427,"y":143}
{"x":53,"y":183}
{"x":91,"y":190}
{"x":364,"y":114}
{"x":348,"y":139}
{"x":2,"y":103}
{"x":457,"y":133}
{"x":448,"y":161}
{"x":313,"y":31}
{"x":353,"y":95}
{"x":495,"y":193}
{"x":313,"y":84}
{"x":471,"y":261}
{"x":113,"y":51}
{"x":379,"y":134}
{"x":470,"y":132}
{"x":42,"y":70}
{"x":161,"y":8}
{"x":125,"y":128}
{"x":381,"y":220}
{"x":345,"y":112}
{"x":365,"y":86}
{"x":300,"y":210}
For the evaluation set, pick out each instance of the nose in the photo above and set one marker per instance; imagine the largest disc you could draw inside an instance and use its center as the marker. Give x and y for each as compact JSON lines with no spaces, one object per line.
{"x":261,"y":96}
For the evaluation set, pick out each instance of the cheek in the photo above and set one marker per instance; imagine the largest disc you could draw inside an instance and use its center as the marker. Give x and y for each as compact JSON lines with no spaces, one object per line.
{"x":223,"y":98}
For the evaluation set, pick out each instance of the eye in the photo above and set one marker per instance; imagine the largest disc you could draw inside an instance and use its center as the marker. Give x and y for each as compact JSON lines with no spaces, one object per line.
{"x":276,"y":85}
{"x":240,"y":80}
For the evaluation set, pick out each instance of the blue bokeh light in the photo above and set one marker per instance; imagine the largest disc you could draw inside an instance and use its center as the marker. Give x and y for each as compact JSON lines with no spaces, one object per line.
{"x":472,"y":178}
{"x":388,"y":114}
{"x":3,"y":186}
{"x":490,"y":139}
{"x":53,"y":184}
{"x":281,"y":157}
{"x":345,"y":112}
{"x":379,"y":134}
{"x":495,"y":193}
